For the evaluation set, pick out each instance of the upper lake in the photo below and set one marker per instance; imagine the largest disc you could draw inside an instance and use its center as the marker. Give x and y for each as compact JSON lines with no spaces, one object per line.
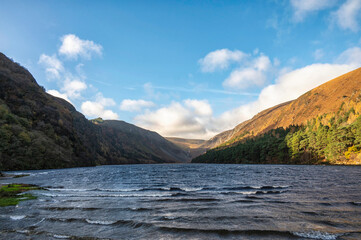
{"x":189,"y":201}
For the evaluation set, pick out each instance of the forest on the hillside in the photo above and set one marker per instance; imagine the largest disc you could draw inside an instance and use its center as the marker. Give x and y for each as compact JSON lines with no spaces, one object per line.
{"x":327,"y":139}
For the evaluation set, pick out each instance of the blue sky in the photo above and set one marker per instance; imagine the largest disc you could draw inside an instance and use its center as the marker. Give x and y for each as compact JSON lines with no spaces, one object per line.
{"x":182,"y":68}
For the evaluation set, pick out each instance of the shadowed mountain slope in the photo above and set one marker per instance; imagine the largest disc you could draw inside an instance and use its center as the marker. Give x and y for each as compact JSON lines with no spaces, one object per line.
{"x":144,"y":141}
{"x":38,"y":131}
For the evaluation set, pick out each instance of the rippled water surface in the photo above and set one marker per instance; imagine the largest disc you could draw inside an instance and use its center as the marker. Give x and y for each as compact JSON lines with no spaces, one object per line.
{"x":189,"y":201}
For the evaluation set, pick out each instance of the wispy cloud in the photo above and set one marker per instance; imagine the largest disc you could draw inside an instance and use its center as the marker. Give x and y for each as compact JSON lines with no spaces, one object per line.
{"x":209,"y":90}
{"x":53,"y":66}
{"x":318,"y":54}
{"x":135,"y":105}
{"x":348,"y":15}
{"x":302,"y":8}
{"x":70,"y":85}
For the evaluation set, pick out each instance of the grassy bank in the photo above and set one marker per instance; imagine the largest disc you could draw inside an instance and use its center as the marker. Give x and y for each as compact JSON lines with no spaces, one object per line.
{"x":12,"y":194}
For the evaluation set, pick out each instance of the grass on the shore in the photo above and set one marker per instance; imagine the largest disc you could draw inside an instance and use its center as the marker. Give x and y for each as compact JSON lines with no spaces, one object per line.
{"x":12,"y":194}
{"x":21,"y":175}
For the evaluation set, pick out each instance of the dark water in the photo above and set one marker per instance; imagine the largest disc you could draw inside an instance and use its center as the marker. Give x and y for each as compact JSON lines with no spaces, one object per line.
{"x":189,"y":201}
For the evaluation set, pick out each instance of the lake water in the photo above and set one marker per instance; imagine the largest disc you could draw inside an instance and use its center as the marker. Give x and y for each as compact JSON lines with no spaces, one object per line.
{"x":189,"y":201}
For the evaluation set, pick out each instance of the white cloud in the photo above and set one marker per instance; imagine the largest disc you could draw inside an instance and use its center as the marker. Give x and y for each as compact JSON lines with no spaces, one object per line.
{"x":348,"y":14}
{"x":199,"y":107}
{"x":53,"y":66}
{"x":97,"y":108}
{"x":262,"y":63}
{"x":304,"y":7}
{"x":220,"y":59}
{"x":135,"y":105}
{"x":56,"y":93}
{"x":188,"y":119}
{"x":73,"y":87}
{"x":245,"y":77}
{"x":253,"y":74}
{"x":92,"y":109}
{"x":73,"y":47}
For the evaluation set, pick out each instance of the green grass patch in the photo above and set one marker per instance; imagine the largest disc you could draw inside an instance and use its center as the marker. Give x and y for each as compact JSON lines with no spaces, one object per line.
{"x":12,"y":194}
{"x":8,"y":201}
{"x":21,"y":175}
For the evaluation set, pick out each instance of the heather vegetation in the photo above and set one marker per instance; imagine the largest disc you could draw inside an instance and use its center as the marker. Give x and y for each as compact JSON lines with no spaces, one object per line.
{"x":327,"y":139}
{"x":23,"y":146}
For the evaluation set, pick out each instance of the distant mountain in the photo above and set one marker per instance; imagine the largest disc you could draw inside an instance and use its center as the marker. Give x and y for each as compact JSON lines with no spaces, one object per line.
{"x":194,"y":147}
{"x":333,"y":108}
{"x":38,"y":130}
{"x":149,"y":144}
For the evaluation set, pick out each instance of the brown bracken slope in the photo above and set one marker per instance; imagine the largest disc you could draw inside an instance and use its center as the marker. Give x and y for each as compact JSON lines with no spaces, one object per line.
{"x":327,"y":98}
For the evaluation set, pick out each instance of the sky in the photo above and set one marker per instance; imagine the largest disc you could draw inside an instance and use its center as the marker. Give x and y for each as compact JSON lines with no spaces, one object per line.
{"x":189,"y":69}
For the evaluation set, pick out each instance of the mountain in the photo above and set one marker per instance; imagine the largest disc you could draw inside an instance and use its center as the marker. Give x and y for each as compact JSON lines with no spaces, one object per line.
{"x":334,"y":107}
{"x":38,"y":131}
{"x":194,"y":147}
{"x":148,"y":143}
